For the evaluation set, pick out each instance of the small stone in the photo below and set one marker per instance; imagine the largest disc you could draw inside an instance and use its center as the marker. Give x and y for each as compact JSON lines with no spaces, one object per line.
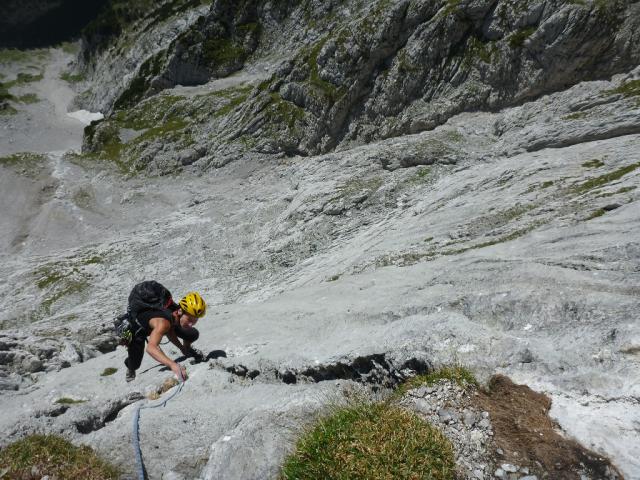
{"x":507,"y":467}
{"x":418,"y":392}
{"x":478,"y":474}
{"x":32,"y":365}
{"x":499,"y":473}
{"x":469,"y":418}
{"x":484,"y":424}
{"x":524,"y":470}
{"x":499,"y":451}
{"x":447,"y":416}
{"x":533,"y":477}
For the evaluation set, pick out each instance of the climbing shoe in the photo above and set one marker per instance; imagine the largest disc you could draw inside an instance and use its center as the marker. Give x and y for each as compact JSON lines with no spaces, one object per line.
{"x":131,"y":374}
{"x":196,"y":354}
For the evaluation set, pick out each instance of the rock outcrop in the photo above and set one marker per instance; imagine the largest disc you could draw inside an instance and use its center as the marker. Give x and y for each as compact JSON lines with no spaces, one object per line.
{"x":364,"y":73}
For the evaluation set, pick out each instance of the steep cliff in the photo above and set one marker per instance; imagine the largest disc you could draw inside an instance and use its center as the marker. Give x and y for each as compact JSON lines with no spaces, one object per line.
{"x":350,"y":73}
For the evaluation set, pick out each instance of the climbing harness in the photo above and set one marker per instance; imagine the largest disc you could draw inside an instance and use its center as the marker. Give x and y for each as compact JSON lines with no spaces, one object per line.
{"x":142,"y":473}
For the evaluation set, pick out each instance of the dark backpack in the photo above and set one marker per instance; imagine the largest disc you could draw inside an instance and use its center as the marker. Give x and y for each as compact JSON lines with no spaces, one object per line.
{"x":148,"y":295}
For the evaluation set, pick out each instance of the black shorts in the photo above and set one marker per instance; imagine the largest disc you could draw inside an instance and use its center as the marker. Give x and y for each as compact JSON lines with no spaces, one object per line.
{"x":136,"y":347}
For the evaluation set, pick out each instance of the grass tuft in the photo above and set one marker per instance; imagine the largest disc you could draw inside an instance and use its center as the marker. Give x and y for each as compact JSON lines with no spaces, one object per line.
{"x":71,"y":78}
{"x":595,"y":163}
{"x":457,"y":374}
{"x":628,"y":89}
{"x":29,"y":98}
{"x":596,"y":182}
{"x":517,"y":39}
{"x":371,"y":441}
{"x":596,"y":213}
{"x":108,"y":371}
{"x":51,"y":456}
{"x":68,"y":401}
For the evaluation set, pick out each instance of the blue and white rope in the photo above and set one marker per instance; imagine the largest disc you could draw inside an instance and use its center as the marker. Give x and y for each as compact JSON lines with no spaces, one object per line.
{"x":136,"y":420}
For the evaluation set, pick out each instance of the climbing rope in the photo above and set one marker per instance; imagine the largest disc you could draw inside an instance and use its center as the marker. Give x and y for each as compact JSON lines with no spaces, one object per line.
{"x":142,"y":473}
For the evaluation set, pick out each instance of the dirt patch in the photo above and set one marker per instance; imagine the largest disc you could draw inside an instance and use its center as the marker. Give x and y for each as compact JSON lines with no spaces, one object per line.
{"x":526,"y":436}
{"x":167,"y":385}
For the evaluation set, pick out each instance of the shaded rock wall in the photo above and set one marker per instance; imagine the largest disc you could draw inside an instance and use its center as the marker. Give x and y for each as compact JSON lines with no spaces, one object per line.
{"x":351,"y":74}
{"x":40,"y":23}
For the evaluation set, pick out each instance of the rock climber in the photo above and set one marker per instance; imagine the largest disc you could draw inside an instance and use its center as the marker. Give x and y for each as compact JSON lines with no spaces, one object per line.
{"x":153,"y":315}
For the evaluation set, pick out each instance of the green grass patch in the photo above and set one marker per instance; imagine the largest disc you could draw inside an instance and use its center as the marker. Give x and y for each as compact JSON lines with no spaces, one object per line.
{"x":69,"y":401}
{"x":69,"y":47}
{"x":411,"y":258}
{"x":476,"y":49}
{"x":596,"y":213}
{"x":517,"y":39}
{"x":371,"y":441}
{"x":546,"y":184}
{"x":160,"y":116}
{"x":626,"y":189}
{"x":70,"y":287}
{"x":575,"y":116}
{"x":93,"y":260}
{"x":148,"y":113}
{"x":223,"y":51}
{"x":171,"y":125}
{"x":451,"y":7}
{"x":108,"y":371}
{"x":4,"y":93}
{"x":29,"y":98}
{"x":6,"y":109}
{"x":71,"y":78}
{"x":327,"y":89}
{"x":37,"y":456}
{"x":59,"y":280}
{"x":24,"y":78}
{"x":457,"y":374}
{"x":236,"y":97}
{"x":31,"y":161}
{"x":284,"y":112}
{"x":420,"y":176}
{"x":13,"y":55}
{"x":595,"y":163}
{"x":627,"y":89}
{"x":48,"y":277}
{"x":357,"y":186}
{"x":6,"y":96}
{"x":596,"y":182}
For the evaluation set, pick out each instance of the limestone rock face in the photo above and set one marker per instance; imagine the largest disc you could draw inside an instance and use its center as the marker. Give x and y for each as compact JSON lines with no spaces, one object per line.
{"x":362,"y":73}
{"x":362,"y":191}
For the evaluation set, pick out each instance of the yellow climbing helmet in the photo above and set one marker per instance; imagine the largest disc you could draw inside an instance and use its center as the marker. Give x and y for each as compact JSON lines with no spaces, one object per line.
{"x":193,"y":304}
